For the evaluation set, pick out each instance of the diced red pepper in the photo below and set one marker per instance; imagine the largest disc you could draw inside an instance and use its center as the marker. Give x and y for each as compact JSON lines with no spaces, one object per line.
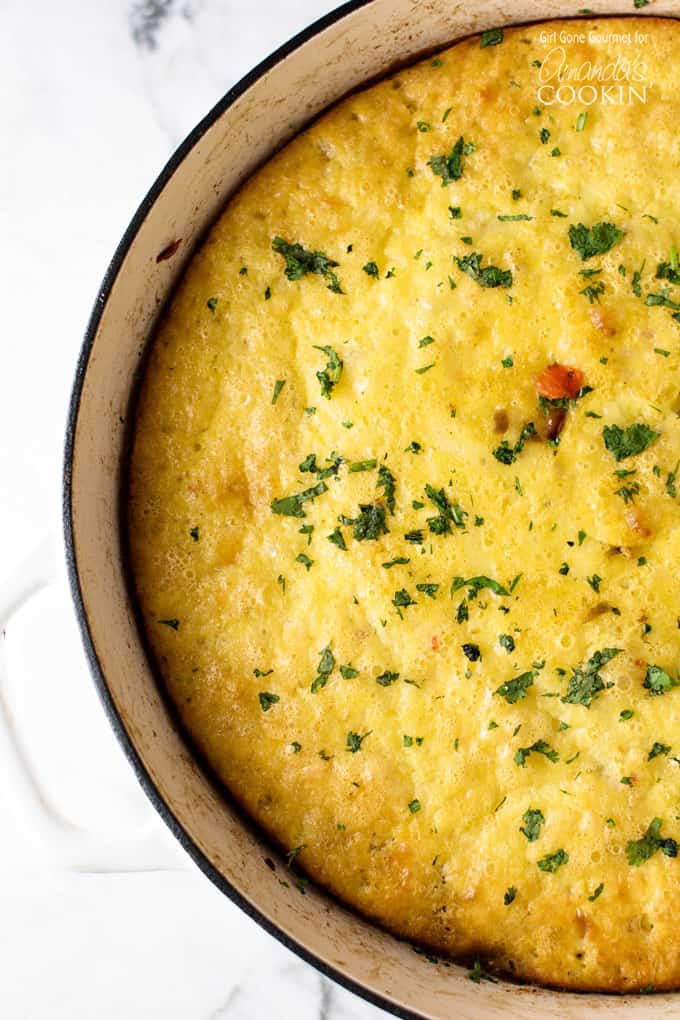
{"x":559,"y":382}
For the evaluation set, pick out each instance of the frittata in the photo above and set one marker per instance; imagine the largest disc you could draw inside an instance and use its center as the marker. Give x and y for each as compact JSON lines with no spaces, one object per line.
{"x":404,"y":502}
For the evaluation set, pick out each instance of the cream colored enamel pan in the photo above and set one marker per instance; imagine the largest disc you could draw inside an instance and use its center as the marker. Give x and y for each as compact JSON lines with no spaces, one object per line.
{"x":357,"y":43}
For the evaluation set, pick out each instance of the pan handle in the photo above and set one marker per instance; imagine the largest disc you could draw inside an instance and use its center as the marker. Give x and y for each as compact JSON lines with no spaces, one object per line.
{"x":67,"y":847}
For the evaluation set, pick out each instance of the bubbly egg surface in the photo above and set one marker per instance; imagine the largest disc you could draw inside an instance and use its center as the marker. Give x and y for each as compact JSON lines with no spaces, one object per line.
{"x":404,"y":503}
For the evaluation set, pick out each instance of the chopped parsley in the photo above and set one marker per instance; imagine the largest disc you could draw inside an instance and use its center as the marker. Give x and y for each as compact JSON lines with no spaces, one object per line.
{"x":194,"y":534}
{"x":640,"y":850}
{"x":471,"y":652}
{"x":370,"y":524}
{"x":492,"y":37}
{"x":173,"y":624}
{"x":507,"y":642}
{"x":354,"y":741}
{"x":371,"y":269}
{"x":267,"y":699}
{"x":291,"y":506}
{"x":387,"y":678}
{"x":586,"y":683}
{"x":387,"y":482}
{"x":628,"y":442}
{"x":402,"y":599}
{"x":658,"y":681}
{"x":330,"y":376}
{"x":533,"y":820}
{"x":448,"y":513}
{"x":451,"y":167}
{"x":597,"y":893}
{"x":515,"y":690}
{"x":489,"y":276}
{"x":348,"y":672}
{"x":544,"y":135}
{"x":212,"y":303}
{"x":428,"y":589}
{"x":509,"y":895}
{"x":477,"y":584}
{"x":539,"y":747}
{"x":337,"y":538}
{"x":551,"y":862}
{"x":278,"y":386}
{"x":595,"y":240}
{"x":300,"y":261}
{"x":507,"y":454}
{"x":414,"y":807}
{"x":324,"y":669}
{"x":658,"y":749}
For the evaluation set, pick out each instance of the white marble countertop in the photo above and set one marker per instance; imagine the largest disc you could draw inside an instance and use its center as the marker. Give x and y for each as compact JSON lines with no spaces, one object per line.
{"x":97,"y":94}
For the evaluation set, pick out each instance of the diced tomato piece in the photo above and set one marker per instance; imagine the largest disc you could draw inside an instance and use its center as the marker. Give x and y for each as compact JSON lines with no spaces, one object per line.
{"x":559,"y":382}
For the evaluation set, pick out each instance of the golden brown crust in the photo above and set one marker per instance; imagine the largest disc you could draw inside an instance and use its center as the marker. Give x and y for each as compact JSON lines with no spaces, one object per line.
{"x":421,"y":825}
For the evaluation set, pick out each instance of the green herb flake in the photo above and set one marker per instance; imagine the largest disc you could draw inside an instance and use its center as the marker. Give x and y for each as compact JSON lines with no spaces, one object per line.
{"x":371,"y":269}
{"x":657,"y":681}
{"x":330,"y":376}
{"x":515,"y":690}
{"x":658,"y":749}
{"x":278,"y":386}
{"x":173,"y":624}
{"x":414,"y":807}
{"x":629,"y":441}
{"x":212,"y":303}
{"x":299,"y":261}
{"x":533,"y":820}
{"x":551,"y":862}
{"x":509,"y":895}
{"x":488,"y":276}
{"x":640,"y":850}
{"x":581,"y":121}
{"x":492,"y":37}
{"x":539,"y":747}
{"x":450,"y":168}
{"x":507,"y":642}
{"x":595,"y":240}
{"x":354,"y":741}
{"x":267,"y":699}
{"x":586,"y":682}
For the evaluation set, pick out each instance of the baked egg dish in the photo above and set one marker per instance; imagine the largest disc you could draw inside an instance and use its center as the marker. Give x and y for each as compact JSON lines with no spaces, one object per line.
{"x":404,"y":503}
